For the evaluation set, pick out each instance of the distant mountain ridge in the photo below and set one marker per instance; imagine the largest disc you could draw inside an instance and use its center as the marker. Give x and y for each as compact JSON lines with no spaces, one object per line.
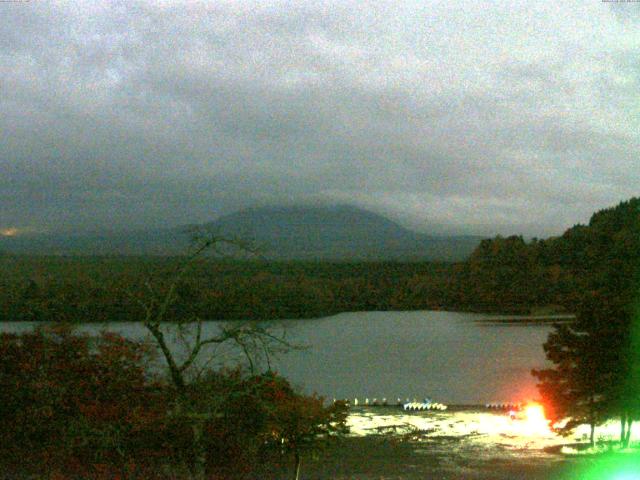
{"x":280,"y":233}
{"x":338,"y":233}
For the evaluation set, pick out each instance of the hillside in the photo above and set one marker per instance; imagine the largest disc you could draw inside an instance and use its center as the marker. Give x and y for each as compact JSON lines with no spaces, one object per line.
{"x":280,"y":233}
{"x":509,"y":274}
{"x":338,"y":233}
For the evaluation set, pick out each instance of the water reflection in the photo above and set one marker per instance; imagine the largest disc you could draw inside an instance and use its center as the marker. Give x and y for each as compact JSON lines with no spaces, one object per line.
{"x":447,"y":356}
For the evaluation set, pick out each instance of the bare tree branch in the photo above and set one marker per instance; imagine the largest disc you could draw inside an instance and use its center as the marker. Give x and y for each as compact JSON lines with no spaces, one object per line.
{"x":253,"y":340}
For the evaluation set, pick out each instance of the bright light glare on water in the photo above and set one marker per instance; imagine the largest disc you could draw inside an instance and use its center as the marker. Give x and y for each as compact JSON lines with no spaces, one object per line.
{"x":488,"y":436}
{"x":481,"y":426}
{"x":535,"y":420}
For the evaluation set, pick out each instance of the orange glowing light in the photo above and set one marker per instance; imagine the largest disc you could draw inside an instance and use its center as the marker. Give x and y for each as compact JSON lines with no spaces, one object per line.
{"x":9,"y":232}
{"x":535,"y":419}
{"x":535,"y":412}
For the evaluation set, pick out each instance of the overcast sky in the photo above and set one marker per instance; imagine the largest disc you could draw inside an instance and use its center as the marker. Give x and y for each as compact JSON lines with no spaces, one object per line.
{"x":467,"y":116}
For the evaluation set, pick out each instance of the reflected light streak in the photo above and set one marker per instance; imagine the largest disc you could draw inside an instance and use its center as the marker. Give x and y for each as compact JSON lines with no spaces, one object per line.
{"x":535,"y":421}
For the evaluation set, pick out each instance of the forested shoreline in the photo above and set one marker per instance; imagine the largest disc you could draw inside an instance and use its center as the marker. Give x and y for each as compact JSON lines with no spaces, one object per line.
{"x":506,"y":275}
{"x":101,"y":289}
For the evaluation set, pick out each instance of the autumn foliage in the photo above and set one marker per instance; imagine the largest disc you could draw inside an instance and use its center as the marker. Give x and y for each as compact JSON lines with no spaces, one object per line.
{"x":74,"y":406}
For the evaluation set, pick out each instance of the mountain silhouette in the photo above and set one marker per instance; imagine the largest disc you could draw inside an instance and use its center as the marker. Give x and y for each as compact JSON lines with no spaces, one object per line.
{"x":279,"y":233}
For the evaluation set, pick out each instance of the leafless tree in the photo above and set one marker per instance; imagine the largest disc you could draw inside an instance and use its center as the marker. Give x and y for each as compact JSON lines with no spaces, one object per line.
{"x":254,"y":340}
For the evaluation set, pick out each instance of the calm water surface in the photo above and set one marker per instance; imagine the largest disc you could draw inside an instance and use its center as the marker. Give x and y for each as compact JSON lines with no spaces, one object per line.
{"x":448,"y":356}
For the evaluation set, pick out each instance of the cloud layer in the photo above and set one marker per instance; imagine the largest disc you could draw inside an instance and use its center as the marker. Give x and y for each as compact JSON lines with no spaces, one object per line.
{"x":478,"y":117}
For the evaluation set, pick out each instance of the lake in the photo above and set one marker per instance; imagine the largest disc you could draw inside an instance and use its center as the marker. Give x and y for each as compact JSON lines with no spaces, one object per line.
{"x":451,"y":357}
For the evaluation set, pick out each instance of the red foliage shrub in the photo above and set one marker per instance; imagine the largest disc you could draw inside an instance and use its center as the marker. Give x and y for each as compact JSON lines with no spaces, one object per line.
{"x":80,"y":407}
{"x":77,"y":406}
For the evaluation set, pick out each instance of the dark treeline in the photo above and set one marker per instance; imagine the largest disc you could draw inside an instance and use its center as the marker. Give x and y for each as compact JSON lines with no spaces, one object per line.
{"x":99,"y":288}
{"x":80,"y":407}
{"x":557,"y":271}
{"x":503,"y":275}
{"x":596,"y":359}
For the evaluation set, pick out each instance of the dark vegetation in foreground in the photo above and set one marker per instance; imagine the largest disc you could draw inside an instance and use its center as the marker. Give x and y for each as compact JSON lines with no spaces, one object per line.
{"x":596,"y":359}
{"x":503,"y":275}
{"x":75,"y":407}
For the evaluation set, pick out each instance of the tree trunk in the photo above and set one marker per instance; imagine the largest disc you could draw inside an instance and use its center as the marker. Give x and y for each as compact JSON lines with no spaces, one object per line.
{"x":627,"y":437}
{"x":176,"y":374}
{"x":199,"y":453}
{"x":592,"y":422}
{"x":623,"y":427}
{"x":298,"y":461}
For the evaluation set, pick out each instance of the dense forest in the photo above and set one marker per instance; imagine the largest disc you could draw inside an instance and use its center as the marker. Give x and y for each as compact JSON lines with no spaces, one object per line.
{"x":502,"y":275}
{"x":510,"y":273}
{"x":595,"y":375}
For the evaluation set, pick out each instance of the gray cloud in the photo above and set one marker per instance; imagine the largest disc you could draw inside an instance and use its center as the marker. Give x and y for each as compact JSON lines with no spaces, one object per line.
{"x":482,"y":117}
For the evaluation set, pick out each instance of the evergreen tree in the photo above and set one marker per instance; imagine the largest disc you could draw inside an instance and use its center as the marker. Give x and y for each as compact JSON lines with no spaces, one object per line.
{"x":576,"y":388}
{"x":596,"y":373}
